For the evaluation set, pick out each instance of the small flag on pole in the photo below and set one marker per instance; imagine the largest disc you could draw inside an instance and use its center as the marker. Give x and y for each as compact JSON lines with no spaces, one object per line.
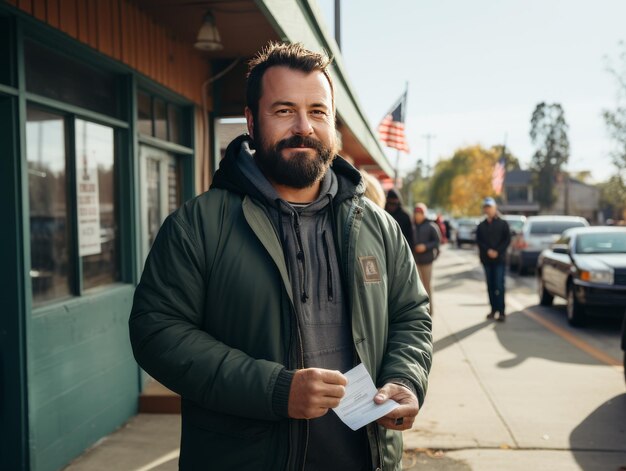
{"x":391,"y":128}
{"x":497,"y":179}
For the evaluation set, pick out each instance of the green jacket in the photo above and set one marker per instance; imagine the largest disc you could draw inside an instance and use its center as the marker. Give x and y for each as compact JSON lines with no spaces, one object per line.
{"x":214,"y":321}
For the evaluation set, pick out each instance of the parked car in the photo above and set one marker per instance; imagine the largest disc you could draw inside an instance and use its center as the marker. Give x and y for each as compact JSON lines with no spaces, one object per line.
{"x":624,"y":344}
{"x":515,"y":222}
{"x":538,"y":233}
{"x":466,"y":231}
{"x":587,"y":267}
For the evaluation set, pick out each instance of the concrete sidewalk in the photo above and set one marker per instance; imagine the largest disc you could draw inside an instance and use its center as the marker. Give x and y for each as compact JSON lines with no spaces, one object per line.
{"x":510,"y":396}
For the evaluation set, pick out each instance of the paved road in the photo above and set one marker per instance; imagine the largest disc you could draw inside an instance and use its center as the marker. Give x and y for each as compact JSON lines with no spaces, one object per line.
{"x":531,"y":393}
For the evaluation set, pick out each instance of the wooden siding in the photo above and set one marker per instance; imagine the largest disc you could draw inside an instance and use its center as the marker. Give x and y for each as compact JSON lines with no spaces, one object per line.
{"x":121,"y":30}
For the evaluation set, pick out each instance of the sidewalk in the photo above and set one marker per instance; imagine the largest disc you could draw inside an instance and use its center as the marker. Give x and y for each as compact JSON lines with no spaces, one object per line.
{"x":509,"y":396}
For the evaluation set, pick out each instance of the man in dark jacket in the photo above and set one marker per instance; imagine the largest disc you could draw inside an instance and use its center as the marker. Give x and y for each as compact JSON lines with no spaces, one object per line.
{"x":493,"y":237}
{"x":260,"y":293}
{"x":427,"y":238}
{"x":393,"y":206}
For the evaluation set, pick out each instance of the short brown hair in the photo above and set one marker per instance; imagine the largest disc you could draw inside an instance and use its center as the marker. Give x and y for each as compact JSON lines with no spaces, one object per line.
{"x":292,"y":55}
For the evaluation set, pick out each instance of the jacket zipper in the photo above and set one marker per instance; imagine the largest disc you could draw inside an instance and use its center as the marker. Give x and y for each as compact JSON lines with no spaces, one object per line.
{"x":329,"y":272}
{"x":300,"y":256}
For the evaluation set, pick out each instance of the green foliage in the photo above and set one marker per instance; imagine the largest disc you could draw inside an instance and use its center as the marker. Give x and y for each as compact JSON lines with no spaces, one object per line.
{"x":615,"y":119}
{"x":548,"y":132}
{"x":613,"y":197}
{"x":459,"y":183}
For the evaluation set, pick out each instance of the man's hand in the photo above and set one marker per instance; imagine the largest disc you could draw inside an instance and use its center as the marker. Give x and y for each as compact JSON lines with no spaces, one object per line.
{"x":409,"y":406}
{"x":420,"y":248}
{"x":314,"y":391}
{"x":492,"y":253}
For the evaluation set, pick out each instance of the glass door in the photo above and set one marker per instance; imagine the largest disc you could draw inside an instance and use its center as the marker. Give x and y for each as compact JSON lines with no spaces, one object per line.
{"x":160,"y":191}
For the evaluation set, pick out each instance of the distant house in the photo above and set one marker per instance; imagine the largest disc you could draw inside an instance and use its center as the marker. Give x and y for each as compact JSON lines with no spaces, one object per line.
{"x":573,"y":196}
{"x":517,"y":196}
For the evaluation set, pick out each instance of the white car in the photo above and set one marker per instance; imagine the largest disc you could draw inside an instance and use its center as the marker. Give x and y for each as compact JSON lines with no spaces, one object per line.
{"x":537,"y":234}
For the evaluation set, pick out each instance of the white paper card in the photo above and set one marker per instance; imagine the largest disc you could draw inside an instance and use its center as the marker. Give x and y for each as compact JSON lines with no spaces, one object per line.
{"x":357,"y":408}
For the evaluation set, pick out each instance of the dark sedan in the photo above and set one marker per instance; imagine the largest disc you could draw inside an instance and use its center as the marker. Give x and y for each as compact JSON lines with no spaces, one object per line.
{"x":587,"y":267}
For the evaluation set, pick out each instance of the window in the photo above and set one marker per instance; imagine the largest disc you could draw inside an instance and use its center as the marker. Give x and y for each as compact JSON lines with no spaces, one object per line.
{"x":553,"y":227}
{"x":49,"y":223}
{"x":6,"y":51}
{"x":96,"y":208}
{"x":159,"y":118}
{"x":517,"y":193}
{"x":73,"y":210}
{"x":57,"y":76}
{"x":161,"y":191}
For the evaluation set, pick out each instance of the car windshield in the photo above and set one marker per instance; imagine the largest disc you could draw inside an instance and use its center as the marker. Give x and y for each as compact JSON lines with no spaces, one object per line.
{"x":553,"y":227}
{"x":516,"y":225}
{"x":601,"y":242}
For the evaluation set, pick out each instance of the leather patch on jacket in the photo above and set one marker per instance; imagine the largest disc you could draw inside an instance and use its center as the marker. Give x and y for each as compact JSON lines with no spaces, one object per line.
{"x":371,"y":271}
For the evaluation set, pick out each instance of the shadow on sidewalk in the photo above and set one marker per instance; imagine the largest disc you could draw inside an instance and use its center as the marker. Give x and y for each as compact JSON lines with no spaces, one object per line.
{"x":604,"y":429}
{"x":517,"y":336}
{"x":455,"y":337}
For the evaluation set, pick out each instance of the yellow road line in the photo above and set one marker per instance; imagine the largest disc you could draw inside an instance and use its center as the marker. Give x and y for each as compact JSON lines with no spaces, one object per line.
{"x":575,"y":341}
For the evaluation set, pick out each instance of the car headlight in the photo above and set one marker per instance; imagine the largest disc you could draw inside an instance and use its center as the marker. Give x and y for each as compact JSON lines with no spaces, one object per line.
{"x":597,"y":276}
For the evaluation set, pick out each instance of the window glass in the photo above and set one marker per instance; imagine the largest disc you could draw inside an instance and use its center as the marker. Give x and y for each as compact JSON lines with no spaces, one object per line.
{"x":96,"y":208}
{"x":6,"y":51}
{"x":59,"y":77}
{"x":553,"y":227}
{"x":160,"y":119}
{"x":144,"y":113}
{"x":49,"y":227}
{"x":154,"y":209}
{"x":602,"y":242}
{"x":173,"y":123}
{"x":173,"y":185}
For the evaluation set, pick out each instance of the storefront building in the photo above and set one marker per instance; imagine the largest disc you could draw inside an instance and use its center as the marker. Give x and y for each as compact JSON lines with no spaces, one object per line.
{"x":110,"y":119}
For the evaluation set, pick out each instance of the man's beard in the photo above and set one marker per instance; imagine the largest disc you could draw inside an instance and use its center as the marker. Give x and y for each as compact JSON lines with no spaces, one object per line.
{"x":300,"y":170}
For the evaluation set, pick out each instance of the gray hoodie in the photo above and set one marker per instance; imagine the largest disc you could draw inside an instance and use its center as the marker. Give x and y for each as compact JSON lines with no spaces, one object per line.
{"x":306,"y":233}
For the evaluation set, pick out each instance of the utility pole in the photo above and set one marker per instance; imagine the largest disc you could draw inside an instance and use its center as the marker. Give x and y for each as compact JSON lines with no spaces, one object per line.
{"x":428,"y":137}
{"x":338,"y":23}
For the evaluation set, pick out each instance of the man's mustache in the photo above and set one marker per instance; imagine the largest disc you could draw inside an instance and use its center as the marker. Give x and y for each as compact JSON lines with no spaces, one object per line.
{"x":300,"y":141}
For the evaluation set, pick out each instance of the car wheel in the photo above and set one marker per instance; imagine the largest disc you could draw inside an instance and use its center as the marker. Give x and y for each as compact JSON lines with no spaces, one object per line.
{"x":545,"y":298}
{"x":575,"y":310}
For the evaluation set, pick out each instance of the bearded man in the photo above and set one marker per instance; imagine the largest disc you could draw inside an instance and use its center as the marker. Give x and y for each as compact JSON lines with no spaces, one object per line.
{"x":260,"y":293}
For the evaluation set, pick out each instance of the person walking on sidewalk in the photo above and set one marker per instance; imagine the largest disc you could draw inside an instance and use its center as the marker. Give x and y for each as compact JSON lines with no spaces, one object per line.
{"x":427,"y":239}
{"x":394,"y":207}
{"x":493,"y":237}
{"x":258,"y":294}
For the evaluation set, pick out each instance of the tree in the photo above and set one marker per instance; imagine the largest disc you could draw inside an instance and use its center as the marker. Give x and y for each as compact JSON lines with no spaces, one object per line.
{"x":469,"y":189}
{"x":460,"y":183}
{"x":613,"y":197}
{"x":548,"y":132}
{"x":616,"y":119}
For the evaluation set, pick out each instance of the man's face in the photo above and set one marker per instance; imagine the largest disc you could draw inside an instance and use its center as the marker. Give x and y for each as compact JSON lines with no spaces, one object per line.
{"x":490,"y":211}
{"x":294,"y":131}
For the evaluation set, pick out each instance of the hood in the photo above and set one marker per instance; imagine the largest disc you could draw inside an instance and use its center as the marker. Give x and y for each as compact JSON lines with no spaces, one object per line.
{"x":596,"y":261}
{"x":231,"y":177}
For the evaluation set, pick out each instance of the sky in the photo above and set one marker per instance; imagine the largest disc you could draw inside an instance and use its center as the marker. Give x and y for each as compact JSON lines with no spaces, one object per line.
{"x":477,"y":69}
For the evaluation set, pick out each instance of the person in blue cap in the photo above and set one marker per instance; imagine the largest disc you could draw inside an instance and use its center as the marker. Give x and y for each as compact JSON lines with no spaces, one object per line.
{"x":493,"y":237}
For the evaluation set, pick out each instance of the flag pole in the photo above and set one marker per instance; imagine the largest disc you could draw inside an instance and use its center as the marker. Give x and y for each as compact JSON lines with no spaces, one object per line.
{"x":395,"y":173}
{"x":404,"y":101}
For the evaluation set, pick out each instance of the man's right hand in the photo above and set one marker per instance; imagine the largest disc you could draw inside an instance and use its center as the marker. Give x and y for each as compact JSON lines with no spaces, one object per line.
{"x":314,"y":391}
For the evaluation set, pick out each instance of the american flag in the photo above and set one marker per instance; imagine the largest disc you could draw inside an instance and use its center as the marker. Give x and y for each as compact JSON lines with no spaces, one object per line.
{"x":497,"y":179}
{"x":391,"y":128}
